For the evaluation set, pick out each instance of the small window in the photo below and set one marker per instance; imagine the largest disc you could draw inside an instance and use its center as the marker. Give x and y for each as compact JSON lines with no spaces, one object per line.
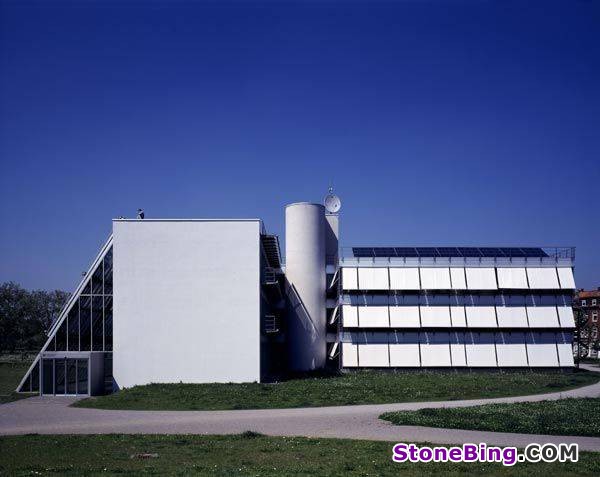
{"x":594,"y":302}
{"x":594,"y":317}
{"x":583,"y":303}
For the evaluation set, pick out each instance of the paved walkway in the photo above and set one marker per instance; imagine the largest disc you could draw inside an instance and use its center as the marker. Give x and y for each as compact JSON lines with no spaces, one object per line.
{"x":45,"y":415}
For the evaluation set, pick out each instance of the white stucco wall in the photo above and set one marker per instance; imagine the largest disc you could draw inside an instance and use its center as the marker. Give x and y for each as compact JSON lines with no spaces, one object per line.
{"x":186,"y":301}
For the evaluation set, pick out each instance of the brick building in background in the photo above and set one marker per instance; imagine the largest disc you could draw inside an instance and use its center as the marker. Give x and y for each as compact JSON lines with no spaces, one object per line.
{"x":588,"y":301}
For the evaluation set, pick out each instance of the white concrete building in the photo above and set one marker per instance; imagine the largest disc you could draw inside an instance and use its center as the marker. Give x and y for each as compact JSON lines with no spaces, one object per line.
{"x":199,"y":301}
{"x":190,"y":292}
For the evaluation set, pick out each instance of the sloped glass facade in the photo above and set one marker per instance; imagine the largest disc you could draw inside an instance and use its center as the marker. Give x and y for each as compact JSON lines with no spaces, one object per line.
{"x":84,"y":326}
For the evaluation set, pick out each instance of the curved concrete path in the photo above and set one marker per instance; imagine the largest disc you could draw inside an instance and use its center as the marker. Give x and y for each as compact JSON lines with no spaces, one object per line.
{"x":45,"y":415}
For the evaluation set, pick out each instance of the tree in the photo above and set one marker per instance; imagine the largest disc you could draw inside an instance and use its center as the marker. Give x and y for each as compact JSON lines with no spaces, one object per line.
{"x":26,"y":316}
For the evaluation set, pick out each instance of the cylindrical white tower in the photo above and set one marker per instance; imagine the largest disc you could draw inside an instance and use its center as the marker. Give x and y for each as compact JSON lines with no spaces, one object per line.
{"x":305,"y":287}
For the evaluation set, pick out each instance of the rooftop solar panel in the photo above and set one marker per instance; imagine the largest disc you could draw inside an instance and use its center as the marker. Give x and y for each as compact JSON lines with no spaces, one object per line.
{"x":449,"y":252}
{"x":430,"y":252}
{"x":427,"y":252}
{"x":406,"y":252}
{"x":385,"y":252}
{"x":491,"y":252}
{"x":513,"y":252}
{"x":362,"y":252}
{"x":534,"y":252}
{"x":469,"y":252}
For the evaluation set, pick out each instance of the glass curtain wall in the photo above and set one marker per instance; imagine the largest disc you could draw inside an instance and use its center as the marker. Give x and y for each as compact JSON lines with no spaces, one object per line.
{"x":65,"y":376}
{"x":87,"y":326}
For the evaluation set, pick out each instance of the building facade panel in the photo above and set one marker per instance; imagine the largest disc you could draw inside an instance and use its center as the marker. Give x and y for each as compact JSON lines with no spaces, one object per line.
{"x":404,"y":355}
{"x":373,"y":317}
{"x":435,"y":317}
{"x":565,"y":276}
{"x":350,"y":316}
{"x":565,"y":316}
{"x":373,"y":355}
{"x":481,"y":278}
{"x":435,"y":278}
{"x":404,"y":279}
{"x":512,"y":278}
{"x":489,"y":310}
{"x":349,"y":278}
{"x":481,"y":316}
{"x":458,"y":316}
{"x":373,"y":279}
{"x":565,"y":354}
{"x":542,"y":355}
{"x":542,"y":317}
{"x":405,"y":317}
{"x":349,"y":355}
{"x":512,"y":355}
{"x":542,"y":278}
{"x":186,"y":301}
{"x":512,"y":317}
{"x":458,"y":278}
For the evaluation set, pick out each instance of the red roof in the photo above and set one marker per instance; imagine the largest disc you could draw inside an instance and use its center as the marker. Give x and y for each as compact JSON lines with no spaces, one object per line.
{"x":588,"y":294}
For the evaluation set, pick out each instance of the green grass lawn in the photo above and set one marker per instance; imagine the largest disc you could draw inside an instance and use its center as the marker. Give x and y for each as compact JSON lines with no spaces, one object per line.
{"x":246,"y":454}
{"x":567,"y":417}
{"x":11,"y":373}
{"x":368,"y":387}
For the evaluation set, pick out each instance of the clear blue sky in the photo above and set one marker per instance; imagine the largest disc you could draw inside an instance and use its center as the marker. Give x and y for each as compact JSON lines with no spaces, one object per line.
{"x":440,"y":123}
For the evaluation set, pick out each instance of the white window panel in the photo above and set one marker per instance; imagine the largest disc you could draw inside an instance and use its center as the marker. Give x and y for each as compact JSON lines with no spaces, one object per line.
{"x":404,"y":317}
{"x":512,"y":317}
{"x":349,"y":315}
{"x":542,"y":278}
{"x":435,"y":355}
{"x":349,"y":279}
{"x":404,"y":279}
{"x":435,"y":278}
{"x":435,"y":316}
{"x":512,"y":278}
{"x":457,"y":276}
{"x":373,"y":316}
{"x":404,"y":355}
{"x":481,"y":316}
{"x":481,"y":278}
{"x":565,"y":354}
{"x":373,"y":355}
{"x":458,"y":317}
{"x":481,"y":355}
{"x":565,"y":275}
{"x":565,"y":315}
{"x":542,"y":317}
{"x":373,"y":279}
{"x":510,"y":355}
{"x":542,"y":355}
{"x":349,"y":355}
{"x":457,"y":352}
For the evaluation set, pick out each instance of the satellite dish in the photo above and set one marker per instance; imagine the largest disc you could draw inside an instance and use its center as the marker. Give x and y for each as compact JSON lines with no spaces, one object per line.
{"x":332,"y":203}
